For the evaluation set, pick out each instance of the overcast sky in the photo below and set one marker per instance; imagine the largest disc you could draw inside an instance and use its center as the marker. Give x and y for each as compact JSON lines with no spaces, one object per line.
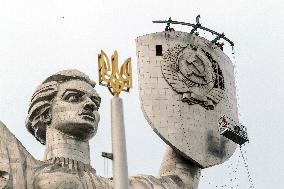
{"x":41,"y":37}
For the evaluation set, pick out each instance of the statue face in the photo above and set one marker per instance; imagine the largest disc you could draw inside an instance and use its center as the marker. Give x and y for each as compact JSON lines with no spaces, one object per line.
{"x":75,"y":109}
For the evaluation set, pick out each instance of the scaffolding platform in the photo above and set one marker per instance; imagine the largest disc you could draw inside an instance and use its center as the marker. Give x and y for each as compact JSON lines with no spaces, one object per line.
{"x":233,"y":131}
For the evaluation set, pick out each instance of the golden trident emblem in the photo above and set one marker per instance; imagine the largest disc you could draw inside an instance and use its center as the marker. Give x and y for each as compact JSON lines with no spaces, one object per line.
{"x":111,"y":77}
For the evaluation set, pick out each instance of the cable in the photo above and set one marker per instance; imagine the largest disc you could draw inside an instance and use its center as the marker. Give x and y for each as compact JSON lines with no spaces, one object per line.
{"x":247,"y":169}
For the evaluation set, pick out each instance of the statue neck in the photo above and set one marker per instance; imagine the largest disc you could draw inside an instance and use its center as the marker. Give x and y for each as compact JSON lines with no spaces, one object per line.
{"x":60,"y":145}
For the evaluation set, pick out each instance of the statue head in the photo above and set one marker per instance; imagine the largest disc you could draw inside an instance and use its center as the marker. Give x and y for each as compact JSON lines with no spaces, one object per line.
{"x":66,"y":101}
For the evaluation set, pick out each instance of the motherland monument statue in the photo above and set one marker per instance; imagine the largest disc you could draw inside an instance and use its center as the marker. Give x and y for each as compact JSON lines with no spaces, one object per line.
{"x":186,"y":85}
{"x":63,"y":115}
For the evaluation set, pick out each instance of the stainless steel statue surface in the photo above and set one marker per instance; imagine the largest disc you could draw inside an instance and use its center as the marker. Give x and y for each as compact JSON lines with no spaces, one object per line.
{"x":186,"y":84}
{"x":63,"y":115}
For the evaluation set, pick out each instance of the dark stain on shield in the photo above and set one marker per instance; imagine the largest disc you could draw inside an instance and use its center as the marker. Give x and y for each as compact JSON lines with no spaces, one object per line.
{"x":216,"y":146}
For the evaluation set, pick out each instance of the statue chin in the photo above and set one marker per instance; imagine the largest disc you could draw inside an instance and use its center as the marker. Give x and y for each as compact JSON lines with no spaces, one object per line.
{"x":80,"y":131}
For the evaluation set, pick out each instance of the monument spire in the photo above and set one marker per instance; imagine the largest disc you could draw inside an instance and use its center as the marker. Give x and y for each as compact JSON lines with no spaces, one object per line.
{"x":116,"y":82}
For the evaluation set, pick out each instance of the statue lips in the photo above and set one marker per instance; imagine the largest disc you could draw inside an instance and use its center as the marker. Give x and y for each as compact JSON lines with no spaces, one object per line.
{"x":89,"y":116}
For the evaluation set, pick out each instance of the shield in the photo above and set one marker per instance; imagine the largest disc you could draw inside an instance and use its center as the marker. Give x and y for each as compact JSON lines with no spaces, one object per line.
{"x":186,"y":84}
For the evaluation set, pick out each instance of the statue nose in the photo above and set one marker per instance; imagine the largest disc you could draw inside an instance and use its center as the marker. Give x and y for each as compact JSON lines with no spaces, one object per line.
{"x":89,"y":107}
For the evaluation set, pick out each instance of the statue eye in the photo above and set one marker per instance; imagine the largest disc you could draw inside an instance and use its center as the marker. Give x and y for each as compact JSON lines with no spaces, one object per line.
{"x":73,"y":97}
{"x":96,"y":100}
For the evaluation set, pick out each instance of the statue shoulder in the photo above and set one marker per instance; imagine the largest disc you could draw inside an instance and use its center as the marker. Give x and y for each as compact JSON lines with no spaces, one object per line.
{"x":15,"y":160}
{"x":55,"y":176}
{"x":151,"y":182}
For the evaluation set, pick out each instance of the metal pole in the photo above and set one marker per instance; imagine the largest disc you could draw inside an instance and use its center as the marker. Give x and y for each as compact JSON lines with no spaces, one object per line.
{"x":120,"y":170}
{"x":116,"y":82}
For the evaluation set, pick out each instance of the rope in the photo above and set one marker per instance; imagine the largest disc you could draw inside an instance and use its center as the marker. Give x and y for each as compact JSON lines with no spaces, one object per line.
{"x":233,"y":179}
{"x":234,"y":173}
{"x":247,"y":168}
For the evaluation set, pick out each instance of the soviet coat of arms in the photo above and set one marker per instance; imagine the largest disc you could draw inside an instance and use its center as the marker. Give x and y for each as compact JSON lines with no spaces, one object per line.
{"x":193,"y":73}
